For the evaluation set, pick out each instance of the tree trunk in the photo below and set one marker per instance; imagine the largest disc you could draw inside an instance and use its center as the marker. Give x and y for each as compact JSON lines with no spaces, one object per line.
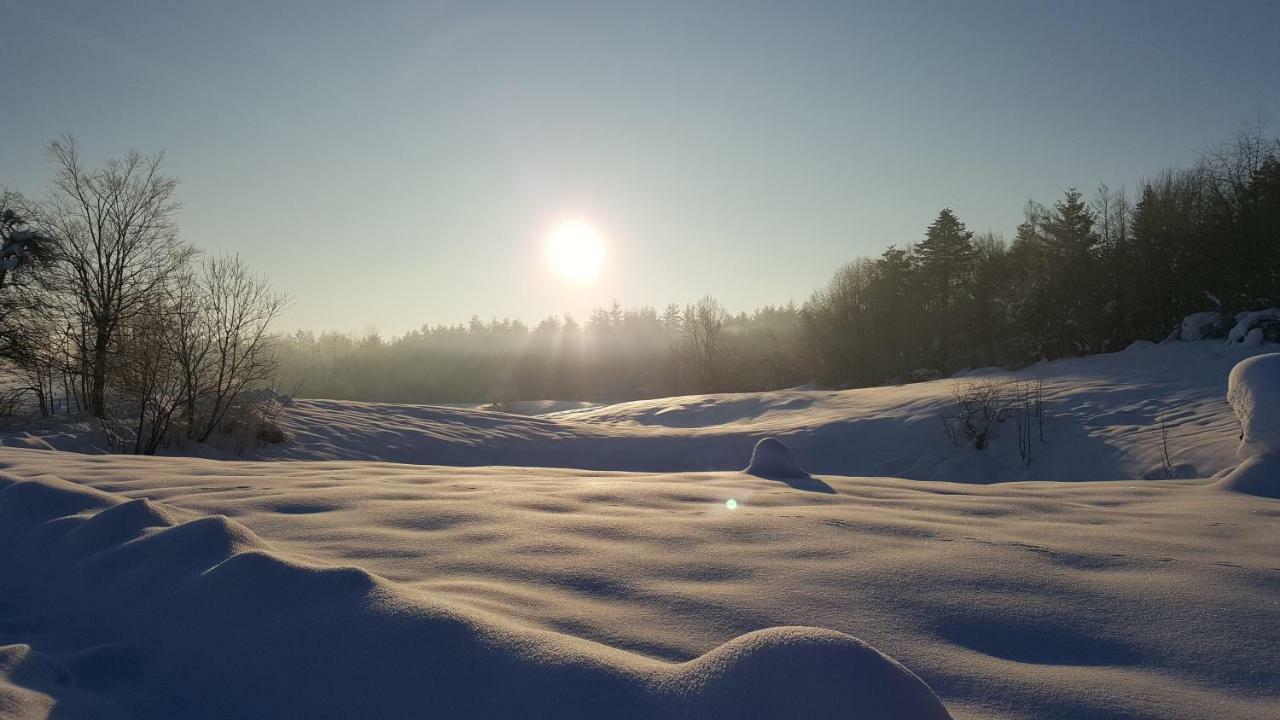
{"x":98,"y":391}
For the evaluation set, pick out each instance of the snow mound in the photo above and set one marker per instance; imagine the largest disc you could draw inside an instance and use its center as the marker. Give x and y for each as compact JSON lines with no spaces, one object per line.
{"x":772,"y":459}
{"x":1254,"y":393}
{"x":1253,"y":389}
{"x":813,"y":673}
{"x":1203,"y":326}
{"x":1248,"y":322}
{"x":1256,"y":476}
{"x":225,"y":627}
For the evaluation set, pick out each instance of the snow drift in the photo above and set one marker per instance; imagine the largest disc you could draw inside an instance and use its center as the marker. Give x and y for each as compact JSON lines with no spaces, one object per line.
{"x":212,"y":623}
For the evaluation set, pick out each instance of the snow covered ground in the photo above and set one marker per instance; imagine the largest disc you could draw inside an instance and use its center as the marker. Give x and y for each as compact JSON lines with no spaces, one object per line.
{"x":380,"y":583}
{"x":1102,"y":422}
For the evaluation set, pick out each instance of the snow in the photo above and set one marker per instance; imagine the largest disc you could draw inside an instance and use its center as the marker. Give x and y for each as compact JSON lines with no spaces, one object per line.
{"x":771,"y":458}
{"x":206,"y":614}
{"x":1102,"y":422}
{"x":1247,"y":322}
{"x":1200,"y":326}
{"x":400,"y":560}
{"x":1253,"y":389}
{"x":532,"y":407}
{"x":424,"y":586}
{"x":1254,"y":393}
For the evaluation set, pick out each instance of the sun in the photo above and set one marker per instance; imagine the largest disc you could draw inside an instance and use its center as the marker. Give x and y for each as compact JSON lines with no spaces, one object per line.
{"x":575,"y":251}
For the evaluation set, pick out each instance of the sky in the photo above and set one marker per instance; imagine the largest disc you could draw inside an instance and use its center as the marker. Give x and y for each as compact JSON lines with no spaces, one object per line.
{"x":399,"y":163}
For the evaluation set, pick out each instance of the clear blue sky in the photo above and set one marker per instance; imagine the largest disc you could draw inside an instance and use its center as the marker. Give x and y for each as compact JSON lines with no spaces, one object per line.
{"x":396,"y":163}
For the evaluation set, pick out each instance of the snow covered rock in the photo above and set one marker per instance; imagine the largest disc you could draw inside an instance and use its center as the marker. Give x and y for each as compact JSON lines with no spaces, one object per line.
{"x":1253,"y":390}
{"x":773,"y":459}
{"x":1267,"y":321}
{"x":1204,"y":326}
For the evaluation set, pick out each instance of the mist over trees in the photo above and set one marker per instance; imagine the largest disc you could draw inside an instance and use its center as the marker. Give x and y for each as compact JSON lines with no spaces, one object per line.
{"x":616,"y":354}
{"x":104,"y":310}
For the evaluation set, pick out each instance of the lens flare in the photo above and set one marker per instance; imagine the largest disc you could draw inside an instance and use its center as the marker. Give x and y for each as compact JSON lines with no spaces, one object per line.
{"x":731,"y":504}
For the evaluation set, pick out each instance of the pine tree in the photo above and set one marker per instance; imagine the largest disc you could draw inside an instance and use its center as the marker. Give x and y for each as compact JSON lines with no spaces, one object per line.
{"x":1073,"y":309}
{"x":945,"y":259}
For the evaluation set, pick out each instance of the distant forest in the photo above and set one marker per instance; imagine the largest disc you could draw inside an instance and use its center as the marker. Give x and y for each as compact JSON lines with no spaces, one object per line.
{"x":1082,"y":275}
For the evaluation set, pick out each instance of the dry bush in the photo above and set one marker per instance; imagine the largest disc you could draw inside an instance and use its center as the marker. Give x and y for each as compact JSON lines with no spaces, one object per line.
{"x":502,"y":406}
{"x":978,"y":407}
{"x":253,"y":421}
{"x":1166,"y":459}
{"x":981,"y":405}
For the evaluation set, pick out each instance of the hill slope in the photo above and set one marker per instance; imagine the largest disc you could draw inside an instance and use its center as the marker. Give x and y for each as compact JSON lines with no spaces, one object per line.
{"x":1102,"y":422}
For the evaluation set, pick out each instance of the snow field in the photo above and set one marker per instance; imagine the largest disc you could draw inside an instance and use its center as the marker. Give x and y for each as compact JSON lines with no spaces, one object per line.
{"x":1148,"y":599}
{"x":217,"y":625}
{"x":164,"y":587}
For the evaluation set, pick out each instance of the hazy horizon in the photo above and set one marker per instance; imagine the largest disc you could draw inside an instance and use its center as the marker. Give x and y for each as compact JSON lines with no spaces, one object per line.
{"x":401,"y":165}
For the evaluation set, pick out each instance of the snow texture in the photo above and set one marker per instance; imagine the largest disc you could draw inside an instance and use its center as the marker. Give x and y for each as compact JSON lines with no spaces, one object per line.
{"x":215,"y":625}
{"x":1148,"y":600}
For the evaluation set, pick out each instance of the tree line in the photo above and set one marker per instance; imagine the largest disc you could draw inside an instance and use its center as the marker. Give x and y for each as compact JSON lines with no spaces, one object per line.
{"x":103,"y":306}
{"x":616,"y":354}
{"x":1081,"y":276}
{"x":105,"y":310}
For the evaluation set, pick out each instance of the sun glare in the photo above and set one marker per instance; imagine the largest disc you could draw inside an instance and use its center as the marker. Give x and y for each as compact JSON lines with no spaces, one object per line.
{"x":576,"y":252}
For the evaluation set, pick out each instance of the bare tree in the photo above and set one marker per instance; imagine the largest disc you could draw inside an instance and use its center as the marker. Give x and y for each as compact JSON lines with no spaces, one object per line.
{"x":192,"y":341}
{"x":148,"y":374}
{"x":704,"y":325}
{"x":116,"y":241}
{"x":234,"y":352}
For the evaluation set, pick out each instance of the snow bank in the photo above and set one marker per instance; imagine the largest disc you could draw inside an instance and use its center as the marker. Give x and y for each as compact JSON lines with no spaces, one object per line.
{"x":1253,"y":390}
{"x":200,"y":618}
{"x":1248,"y":322}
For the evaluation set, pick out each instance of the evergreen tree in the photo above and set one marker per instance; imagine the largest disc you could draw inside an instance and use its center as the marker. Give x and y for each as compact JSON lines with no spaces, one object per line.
{"x":1073,"y":312}
{"x":945,"y":265}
